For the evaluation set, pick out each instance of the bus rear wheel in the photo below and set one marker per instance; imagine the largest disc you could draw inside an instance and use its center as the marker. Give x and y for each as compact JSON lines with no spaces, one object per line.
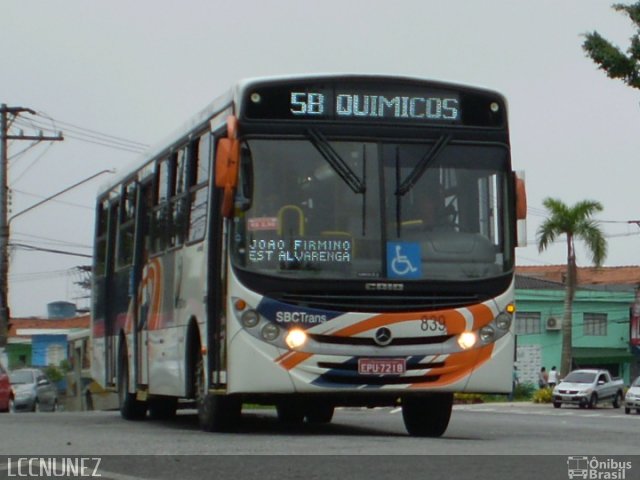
{"x":427,"y":416}
{"x":162,"y":408}
{"x":216,"y":413}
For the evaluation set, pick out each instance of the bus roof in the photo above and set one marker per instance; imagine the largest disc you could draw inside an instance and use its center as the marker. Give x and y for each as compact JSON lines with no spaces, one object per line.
{"x":197,"y":121}
{"x":245,"y":83}
{"x":237,"y":92}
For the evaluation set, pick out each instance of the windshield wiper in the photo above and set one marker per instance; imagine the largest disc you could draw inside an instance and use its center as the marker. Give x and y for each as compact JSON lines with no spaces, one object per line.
{"x":422,"y":165}
{"x":337,"y":163}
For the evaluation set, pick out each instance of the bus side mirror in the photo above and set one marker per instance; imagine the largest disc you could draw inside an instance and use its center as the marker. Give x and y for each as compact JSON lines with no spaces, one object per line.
{"x":521,"y":209}
{"x":227,"y":164}
{"x":521,"y":199}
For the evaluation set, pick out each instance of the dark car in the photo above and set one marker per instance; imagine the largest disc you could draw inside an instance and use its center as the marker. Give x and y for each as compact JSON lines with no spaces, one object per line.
{"x":32,"y":391}
{"x":5,"y":389}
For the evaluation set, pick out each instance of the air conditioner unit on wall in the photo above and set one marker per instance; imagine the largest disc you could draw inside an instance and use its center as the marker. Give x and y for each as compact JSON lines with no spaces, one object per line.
{"x":553,"y":323}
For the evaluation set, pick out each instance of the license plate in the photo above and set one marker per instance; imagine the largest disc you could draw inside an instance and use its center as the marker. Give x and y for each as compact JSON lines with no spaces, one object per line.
{"x":381,"y":366}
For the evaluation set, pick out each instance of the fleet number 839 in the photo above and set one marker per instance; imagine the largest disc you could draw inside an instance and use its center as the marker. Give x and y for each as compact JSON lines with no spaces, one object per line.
{"x":433,"y":325}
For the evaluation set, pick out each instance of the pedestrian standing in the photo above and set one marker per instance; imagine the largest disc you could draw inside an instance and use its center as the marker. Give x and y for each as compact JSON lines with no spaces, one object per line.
{"x":514,"y":383}
{"x":553,"y":377}
{"x":543,"y":378}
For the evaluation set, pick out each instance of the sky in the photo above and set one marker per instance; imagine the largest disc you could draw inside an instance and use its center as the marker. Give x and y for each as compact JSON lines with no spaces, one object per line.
{"x":116,"y":76}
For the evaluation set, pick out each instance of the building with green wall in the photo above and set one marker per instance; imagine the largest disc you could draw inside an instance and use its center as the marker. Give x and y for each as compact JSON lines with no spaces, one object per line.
{"x":600,"y":328}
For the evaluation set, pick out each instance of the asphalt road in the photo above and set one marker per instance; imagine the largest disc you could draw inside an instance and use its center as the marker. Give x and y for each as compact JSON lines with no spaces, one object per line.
{"x":357,"y":444}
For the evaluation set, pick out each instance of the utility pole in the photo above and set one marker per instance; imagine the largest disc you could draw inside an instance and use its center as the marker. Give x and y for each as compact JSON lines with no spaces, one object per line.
{"x":5,"y":114}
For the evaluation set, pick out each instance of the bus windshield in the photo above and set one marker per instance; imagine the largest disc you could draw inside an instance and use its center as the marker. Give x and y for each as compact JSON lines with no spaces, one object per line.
{"x":399,"y":210}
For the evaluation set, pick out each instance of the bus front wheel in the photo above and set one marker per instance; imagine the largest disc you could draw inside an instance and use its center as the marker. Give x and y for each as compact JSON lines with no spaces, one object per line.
{"x":216,"y":413}
{"x":427,"y":416}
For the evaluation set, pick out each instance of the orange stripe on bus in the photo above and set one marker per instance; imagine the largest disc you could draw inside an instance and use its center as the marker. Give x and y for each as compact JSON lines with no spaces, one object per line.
{"x":153,"y":281}
{"x":482,"y":315}
{"x":457,"y":366}
{"x":295,"y":358}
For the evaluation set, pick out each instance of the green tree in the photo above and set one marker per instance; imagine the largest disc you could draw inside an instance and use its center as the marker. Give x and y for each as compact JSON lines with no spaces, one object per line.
{"x":576,"y":223}
{"x":610,"y":58}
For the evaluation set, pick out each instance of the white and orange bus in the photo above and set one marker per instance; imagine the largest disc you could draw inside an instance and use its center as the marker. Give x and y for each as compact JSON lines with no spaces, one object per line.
{"x":311,"y":242}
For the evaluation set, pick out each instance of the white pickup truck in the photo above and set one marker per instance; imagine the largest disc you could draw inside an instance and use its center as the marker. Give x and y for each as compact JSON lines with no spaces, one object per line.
{"x":587,"y":388}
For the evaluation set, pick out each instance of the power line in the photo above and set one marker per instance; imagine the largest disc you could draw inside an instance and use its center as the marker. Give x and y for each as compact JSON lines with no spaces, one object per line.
{"x":23,"y":151}
{"x":62,"y":202}
{"x":75,"y":127}
{"x":32,"y":164}
{"x":104,"y":142}
{"x":85,"y":135}
{"x":43,"y":275}
{"x":52,"y":241}
{"x":25,"y":246}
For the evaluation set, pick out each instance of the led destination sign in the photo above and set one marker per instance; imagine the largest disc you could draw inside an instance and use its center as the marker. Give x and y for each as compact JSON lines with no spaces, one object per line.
{"x":383,"y":100}
{"x":357,"y":105}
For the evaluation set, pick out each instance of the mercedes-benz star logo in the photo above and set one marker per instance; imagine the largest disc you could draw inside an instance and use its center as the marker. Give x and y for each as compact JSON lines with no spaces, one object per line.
{"x":383,"y":336}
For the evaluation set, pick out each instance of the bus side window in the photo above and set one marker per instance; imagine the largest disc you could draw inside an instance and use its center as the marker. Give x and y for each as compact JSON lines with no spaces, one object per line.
{"x":101,"y":239}
{"x":200,"y":158}
{"x":180,"y":203}
{"x":203,"y":161}
{"x":126,"y":226}
{"x":161,"y":220}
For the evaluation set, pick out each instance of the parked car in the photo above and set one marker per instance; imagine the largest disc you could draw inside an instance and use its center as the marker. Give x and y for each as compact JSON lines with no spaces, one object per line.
{"x":587,"y":388}
{"x":632,"y":398}
{"x":5,"y":389}
{"x":32,"y":391}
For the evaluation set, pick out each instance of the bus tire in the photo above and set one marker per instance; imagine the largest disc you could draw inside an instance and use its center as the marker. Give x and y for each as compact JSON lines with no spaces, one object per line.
{"x":290,"y":412}
{"x":427,"y":416}
{"x":130,"y":407}
{"x":216,"y":413}
{"x":162,"y":408}
{"x":320,"y":413}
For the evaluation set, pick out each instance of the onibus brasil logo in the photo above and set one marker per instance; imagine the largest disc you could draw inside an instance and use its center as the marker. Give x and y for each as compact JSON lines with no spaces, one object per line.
{"x":593,"y":468}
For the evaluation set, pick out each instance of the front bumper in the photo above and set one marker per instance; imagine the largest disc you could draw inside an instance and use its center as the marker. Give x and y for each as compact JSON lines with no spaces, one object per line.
{"x":632,"y":402}
{"x":571,"y":399}
{"x":23,"y":404}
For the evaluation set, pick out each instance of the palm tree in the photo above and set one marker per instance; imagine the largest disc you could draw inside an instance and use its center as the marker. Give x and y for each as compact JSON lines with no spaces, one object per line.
{"x":576,"y":223}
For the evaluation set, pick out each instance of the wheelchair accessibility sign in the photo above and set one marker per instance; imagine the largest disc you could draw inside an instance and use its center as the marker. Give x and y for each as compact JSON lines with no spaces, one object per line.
{"x":403,"y":260}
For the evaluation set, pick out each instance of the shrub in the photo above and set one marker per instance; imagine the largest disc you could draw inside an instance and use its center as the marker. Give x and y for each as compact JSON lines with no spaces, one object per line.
{"x":542,"y":395}
{"x":465,"y":398}
{"x":524,"y":391}
{"x":55,"y":374}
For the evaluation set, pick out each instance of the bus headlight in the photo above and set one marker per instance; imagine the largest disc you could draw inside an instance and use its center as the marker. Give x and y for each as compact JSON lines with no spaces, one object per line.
{"x":296,"y":338}
{"x":503,"y":321}
{"x":487,"y":334}
{"x":270,"y":332}
{"x":466,"y":340}
{"x":250,"y":318}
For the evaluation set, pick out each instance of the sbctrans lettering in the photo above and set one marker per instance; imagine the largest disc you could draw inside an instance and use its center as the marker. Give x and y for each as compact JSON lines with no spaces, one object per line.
{"x":432,"y":108}
{"x":300,"y":317}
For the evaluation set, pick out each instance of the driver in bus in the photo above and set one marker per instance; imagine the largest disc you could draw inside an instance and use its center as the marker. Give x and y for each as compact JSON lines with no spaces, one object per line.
{"x":434,"y":211}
